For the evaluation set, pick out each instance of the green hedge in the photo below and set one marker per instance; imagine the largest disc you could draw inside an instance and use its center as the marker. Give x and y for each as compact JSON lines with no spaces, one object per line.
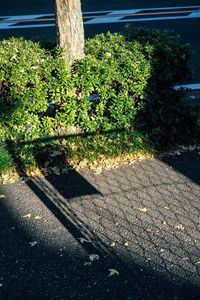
{"x":163,"y":117}
{"x":168,"y":56}
{"x":124,"y":81}
{"x":116,"y":73}
{"x":32,"y":82}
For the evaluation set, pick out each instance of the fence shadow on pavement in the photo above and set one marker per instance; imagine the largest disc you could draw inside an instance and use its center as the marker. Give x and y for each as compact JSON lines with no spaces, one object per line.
{"x":141,"y":220}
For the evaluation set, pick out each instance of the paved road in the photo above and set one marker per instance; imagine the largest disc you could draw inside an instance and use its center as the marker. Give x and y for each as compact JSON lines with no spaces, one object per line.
{"x":62,"y":236}
{"x":188,"y":28}
{"x":12,"y":7}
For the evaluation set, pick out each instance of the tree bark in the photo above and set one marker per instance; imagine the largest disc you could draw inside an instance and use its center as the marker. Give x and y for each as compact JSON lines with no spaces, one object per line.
{"x":70,"y":32}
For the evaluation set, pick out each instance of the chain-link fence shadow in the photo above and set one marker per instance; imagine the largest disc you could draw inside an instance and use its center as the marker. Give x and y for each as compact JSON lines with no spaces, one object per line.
{"x":141,"y":220}
{"x":146,"y":215}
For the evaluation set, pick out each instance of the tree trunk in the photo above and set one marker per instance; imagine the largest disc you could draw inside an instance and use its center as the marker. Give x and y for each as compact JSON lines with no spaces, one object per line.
{"x":70,"y":30}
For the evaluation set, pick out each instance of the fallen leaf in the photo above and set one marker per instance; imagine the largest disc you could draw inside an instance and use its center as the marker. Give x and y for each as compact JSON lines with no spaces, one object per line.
{"x":2,"y":196}
{"x":56,"y":170}
{"x":113,"y":244}
{"x":87,"y":263}
{"x":1,"y":284}
{"x":83,"y":240}
{"x":55,"y":153}
{"x":179,"y":227}
{"x":37,"y":218}
{"x":166,"y":207}
{"x":11,"y":180}
{"x":197,"y":262}
{"x":94,"y":257}
{"x":98,"y":170}
{"x":113,"y":272}
{"x":144,"y":209}
{"x":148,"y":259}
{"x":5,"y":178}
{"x":27,"y":216}
{"x":83,"y":163}
{"x":126,"y":244}
{"x":32,"y":244}
{"x":185,"y":258}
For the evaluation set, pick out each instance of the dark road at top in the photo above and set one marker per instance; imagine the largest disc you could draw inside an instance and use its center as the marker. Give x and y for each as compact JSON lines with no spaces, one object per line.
{"x":187,"y":28}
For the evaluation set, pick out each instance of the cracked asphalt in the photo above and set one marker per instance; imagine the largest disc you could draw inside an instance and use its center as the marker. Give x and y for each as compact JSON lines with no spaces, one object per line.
{"x":62,"y":236}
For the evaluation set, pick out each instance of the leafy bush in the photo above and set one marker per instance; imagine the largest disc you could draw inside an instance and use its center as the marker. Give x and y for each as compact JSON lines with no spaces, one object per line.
{"x":114,"y":75}
{"x":164,"y":117}
{"x":32,"y":83}
{"x":124,"y":82}
{"x":167,"y":55}
{"x":105,"y":91}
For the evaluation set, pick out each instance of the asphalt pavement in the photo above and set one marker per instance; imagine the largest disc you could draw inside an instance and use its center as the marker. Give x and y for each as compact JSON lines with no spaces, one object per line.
{"x":127,"y":233}
{"x":13,"y":7}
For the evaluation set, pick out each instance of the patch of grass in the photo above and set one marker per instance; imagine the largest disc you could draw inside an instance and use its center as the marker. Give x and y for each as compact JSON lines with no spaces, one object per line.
{"x":95,"y":149}
{"x":6,"y":161}
{"x":58,"y":154}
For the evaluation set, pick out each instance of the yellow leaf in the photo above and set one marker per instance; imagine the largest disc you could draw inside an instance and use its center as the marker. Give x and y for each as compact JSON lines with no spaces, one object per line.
{"x":2,"y":196}
{"x":179,"y":227}
{"x":144,"y":209}
{"x":5,"y":178}
{"x":113,"y":272}
{"x":11,"y":180}
{"x":98,"y":170}
{"x":27,"y":216}
{"x":37,"y":218}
